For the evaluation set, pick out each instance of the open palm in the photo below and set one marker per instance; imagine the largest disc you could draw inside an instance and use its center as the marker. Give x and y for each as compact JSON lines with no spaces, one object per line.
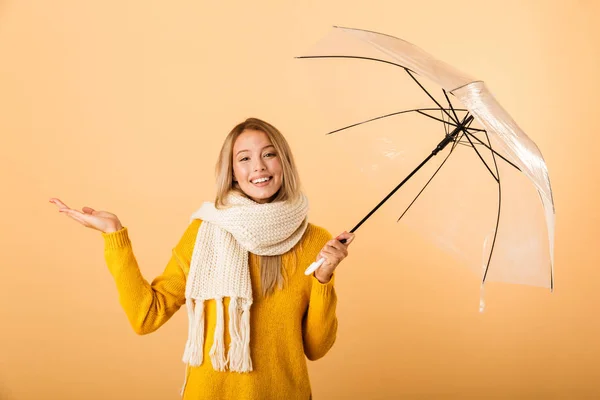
{"x":103,"y":221}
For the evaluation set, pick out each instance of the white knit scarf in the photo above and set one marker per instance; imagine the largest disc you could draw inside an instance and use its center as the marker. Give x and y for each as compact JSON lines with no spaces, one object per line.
{"x":219,"y":268}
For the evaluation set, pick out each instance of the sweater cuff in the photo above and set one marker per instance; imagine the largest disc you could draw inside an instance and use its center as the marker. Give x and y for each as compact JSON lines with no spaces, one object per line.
{"x":322,"y":288}
{"x":116,"y":240}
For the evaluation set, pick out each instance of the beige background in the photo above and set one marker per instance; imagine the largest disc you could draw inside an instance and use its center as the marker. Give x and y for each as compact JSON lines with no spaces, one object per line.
{"x":123,"y":105}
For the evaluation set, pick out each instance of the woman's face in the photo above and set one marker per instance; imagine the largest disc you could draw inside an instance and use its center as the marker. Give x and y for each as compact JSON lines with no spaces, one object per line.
{"x":257,"y":166}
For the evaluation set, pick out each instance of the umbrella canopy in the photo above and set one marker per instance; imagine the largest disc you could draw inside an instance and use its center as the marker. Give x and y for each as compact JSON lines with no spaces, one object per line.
{"x":477,"y":202}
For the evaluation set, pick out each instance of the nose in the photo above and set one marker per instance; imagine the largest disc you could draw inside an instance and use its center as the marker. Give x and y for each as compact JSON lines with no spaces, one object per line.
{"x":259,"y":165}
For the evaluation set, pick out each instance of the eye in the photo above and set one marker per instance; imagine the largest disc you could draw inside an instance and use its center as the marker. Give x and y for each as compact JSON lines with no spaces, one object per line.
{"x":244,"y":159}
{"x":270,"y":155}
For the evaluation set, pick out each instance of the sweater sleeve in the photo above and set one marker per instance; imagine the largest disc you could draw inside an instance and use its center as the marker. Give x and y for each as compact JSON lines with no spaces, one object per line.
{"x":149,"y":305}
{"x":320,"y":321}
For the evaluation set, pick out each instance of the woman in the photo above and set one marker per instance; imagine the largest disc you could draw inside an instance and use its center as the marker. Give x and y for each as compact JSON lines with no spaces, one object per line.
{"x":254,"y":317}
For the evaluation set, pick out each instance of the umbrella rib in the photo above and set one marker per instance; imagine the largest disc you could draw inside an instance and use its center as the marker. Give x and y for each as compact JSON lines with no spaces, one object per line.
{"x":429,"y":94}
{"x":475,"y":129}
{"x":449,"y":103}
{"x":490,"y":148}
{"x":497,"y":179}
{"x":466,"y":144}
{"x":390,"y":115}
{"x":437,"y":119}
{"x":391,"y":63}
{"x":431,"y":178}
{"x":487,"y":267}
{"x":446,"y":131}
{"x":456,"y":116}
{"x":358,"y":58}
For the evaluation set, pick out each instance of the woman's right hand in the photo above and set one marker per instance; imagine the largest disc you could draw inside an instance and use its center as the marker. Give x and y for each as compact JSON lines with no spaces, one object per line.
{"x":100,"y":220}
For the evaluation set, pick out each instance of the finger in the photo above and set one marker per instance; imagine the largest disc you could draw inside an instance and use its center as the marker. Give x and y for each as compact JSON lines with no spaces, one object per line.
{"x":337,"y":242}
{"x":59,"y":203}
{"x":79,"y":216}
{"x":335,"y":255}
{"x":330,"y":263}
{"x":334,"y":244}
{"x":85,"y":219}
{"x":331,"y":256}
{"x":88,"y":210}
{"x":336,"y":252}
{"x":337,"y":248}
{"x":74,"y":216}
{"x":349,"y":237}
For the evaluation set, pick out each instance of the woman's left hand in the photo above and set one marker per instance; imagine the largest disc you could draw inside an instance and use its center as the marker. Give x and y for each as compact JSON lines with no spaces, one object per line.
{"x":333,"y":252}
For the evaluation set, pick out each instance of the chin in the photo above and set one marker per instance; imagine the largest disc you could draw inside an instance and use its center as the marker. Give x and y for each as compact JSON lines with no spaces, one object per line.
{"x":262,"y":197}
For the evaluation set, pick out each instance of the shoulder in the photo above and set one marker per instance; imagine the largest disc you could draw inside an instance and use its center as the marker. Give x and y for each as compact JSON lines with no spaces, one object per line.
{"x":317,"y":231}
{"x":193,"y":227}
{"x":188,"y":239}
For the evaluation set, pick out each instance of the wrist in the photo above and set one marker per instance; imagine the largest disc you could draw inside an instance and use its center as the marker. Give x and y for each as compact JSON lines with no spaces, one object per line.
{"x":323,"y":277}
{"x":113,"y":229}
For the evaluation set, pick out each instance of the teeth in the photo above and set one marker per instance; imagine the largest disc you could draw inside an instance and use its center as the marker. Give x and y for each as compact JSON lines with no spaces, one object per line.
{"x":260,"y":180}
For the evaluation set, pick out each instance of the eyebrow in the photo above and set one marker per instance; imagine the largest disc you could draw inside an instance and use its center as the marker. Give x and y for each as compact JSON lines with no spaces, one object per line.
{"x":267,"y":146}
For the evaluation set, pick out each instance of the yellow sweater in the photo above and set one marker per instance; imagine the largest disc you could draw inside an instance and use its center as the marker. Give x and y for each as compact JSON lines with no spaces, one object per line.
{"x":293,"y":322}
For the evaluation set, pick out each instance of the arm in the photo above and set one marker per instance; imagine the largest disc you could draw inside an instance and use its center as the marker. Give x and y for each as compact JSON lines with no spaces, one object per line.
{"x":149,"y":305}
{"x":320,"y":321}
{"x":319,"y":325}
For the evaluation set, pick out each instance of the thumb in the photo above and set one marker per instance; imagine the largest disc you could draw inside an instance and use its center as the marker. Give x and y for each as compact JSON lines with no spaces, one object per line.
{"x":88,"y":210}
{"x":348,"y":237}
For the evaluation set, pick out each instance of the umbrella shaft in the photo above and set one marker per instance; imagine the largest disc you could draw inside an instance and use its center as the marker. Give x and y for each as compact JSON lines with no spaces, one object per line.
{"x":452,"y":135}
{"x":449,"y":138}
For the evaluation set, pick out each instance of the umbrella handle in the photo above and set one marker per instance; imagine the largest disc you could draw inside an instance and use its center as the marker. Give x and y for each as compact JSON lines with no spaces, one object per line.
{"x":314,"y":266}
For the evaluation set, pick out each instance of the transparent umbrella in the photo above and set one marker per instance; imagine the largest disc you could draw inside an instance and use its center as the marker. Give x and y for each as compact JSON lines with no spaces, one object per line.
{"x":480,"y":190}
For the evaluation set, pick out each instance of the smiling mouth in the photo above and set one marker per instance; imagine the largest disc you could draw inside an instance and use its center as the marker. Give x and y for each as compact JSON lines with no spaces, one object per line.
{"x":262,"y":181}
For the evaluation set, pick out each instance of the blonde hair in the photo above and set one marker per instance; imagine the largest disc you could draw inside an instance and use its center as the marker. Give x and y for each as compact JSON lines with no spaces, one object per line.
{"x":271,"y":271}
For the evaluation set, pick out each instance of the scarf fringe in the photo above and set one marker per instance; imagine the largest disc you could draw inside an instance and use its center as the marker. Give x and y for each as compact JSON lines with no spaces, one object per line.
{"x":217,"y":352}
{"x":235,"y":346}
{"x":239,"y":328}
{"x":194,"y":349}
{"x":238,"y":355}
{"x":246,"y":360}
